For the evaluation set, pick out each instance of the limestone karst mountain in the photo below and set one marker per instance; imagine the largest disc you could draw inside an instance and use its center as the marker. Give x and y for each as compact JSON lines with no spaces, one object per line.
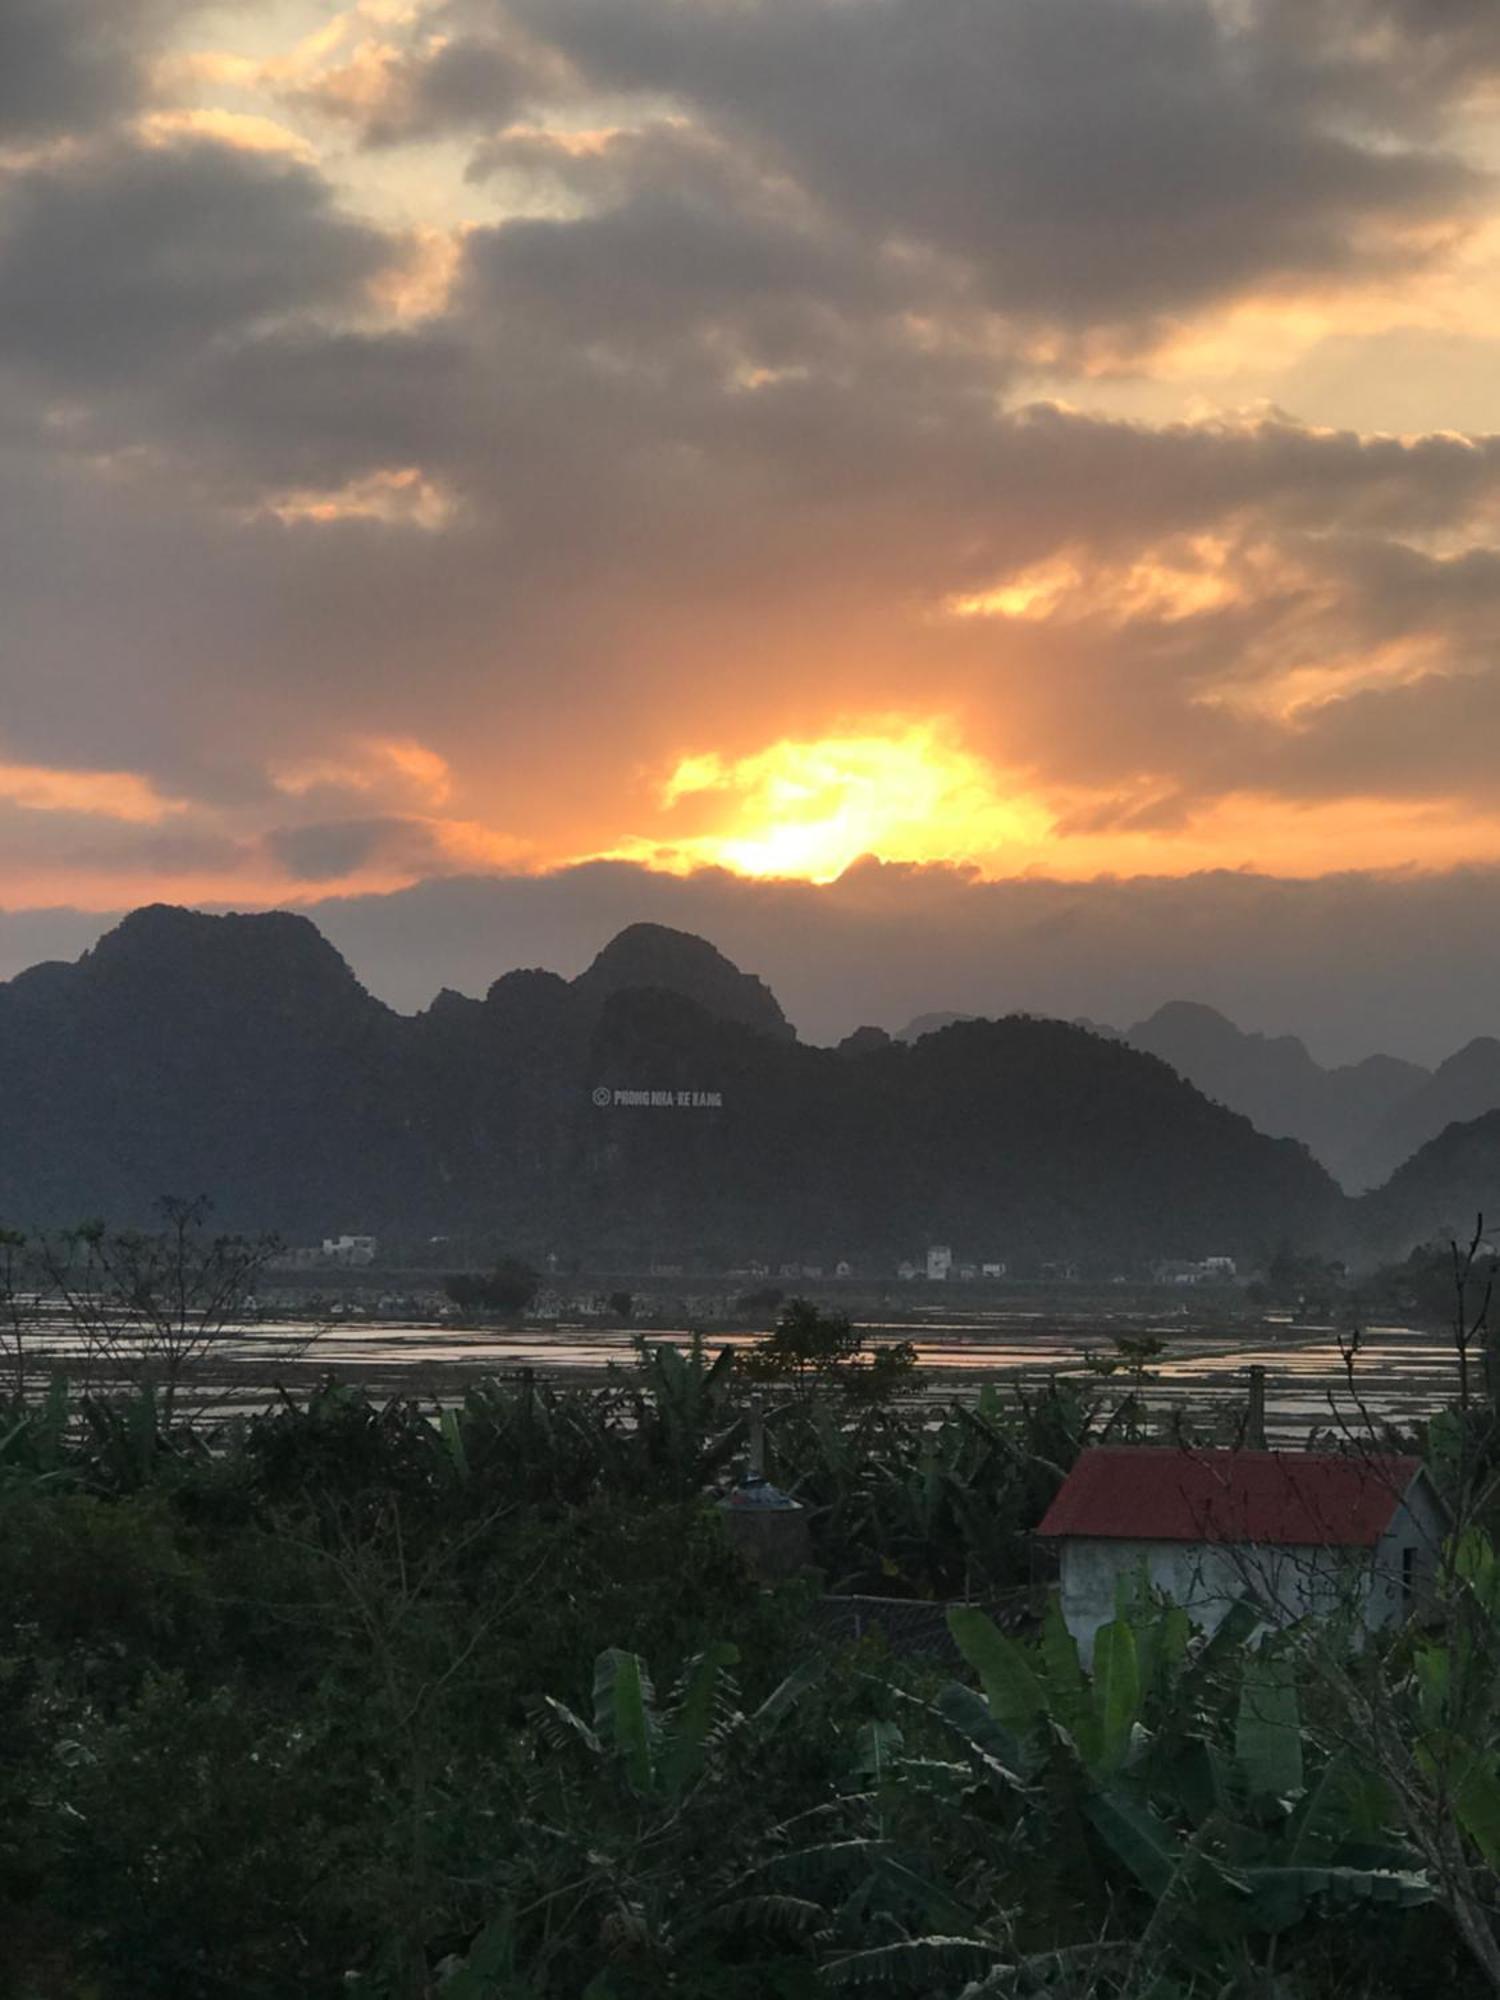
{"x":1338,"y":1113}
{"x":658,"y":1105}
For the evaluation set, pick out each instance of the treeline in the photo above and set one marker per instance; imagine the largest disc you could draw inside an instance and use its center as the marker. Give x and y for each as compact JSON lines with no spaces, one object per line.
{"x":358,"y":1697}
{"x":383,"y":1699}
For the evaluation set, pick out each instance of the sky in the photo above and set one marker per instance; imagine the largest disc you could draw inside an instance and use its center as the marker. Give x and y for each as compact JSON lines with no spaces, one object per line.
{"x":993,"y":501}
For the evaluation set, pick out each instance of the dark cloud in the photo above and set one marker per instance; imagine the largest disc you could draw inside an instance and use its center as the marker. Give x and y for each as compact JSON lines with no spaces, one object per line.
{"x":67,"y":64}
{"x":1086,"y":161}
{"x":135,"y":257}
{"x":445,"y":84}
{"x":331,"y":849}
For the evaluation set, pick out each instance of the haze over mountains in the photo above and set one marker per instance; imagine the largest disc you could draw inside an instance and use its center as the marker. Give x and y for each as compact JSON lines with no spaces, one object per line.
{"x":1361,"y":1120}
{"x":659,"y":1106}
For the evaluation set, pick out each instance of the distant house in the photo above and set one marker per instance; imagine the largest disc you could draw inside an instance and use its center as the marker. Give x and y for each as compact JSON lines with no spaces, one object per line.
{"x":939,"y":1263}
{"x":1195,"y":1271}
{"x":906,"y":1270}
{"x":1298,"y":1533}
{"x":992,"y":1270}
{"x":349,"y":1249}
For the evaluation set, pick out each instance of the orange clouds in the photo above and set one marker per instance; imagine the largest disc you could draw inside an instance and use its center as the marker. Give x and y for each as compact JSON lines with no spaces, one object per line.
{"x":398,"y":496}
{"x":110,"y":795}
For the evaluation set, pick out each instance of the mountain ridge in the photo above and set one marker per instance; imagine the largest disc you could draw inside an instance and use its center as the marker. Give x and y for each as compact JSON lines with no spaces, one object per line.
{"x":659,"y":1104}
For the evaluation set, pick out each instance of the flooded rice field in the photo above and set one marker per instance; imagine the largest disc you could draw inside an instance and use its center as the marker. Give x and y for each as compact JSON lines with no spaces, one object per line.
{"x":1401,"y":1373}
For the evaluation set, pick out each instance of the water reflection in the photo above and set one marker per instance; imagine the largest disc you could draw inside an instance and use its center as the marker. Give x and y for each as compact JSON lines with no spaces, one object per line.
{"x":1402,"y":1373}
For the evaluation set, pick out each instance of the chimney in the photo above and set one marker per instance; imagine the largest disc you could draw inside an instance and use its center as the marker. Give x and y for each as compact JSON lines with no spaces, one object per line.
{"x":1255,"y":1410}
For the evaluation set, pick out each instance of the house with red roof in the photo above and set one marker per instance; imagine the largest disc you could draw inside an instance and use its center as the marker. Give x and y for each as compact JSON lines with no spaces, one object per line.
{"x":1299,"y":1533}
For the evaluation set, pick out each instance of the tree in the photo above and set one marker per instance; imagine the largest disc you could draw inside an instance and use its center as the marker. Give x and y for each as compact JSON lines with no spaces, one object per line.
{"x":509,"y":1288}
{"x":767,"y":1299}
{"x":814,"y":1349}
{"x":18,"y":1304}
{"x":150,"y":1305}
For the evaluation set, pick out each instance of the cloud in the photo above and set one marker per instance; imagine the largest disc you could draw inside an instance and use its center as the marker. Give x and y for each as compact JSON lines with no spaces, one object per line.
{"x":66,"y":64}
{"x":334,"y":849}
{"x":391,"y":847}
{"x":1086,"y":162}
{"x":579,"y":390}
{"x":394,"y":95}
{"x":135,"y":257}
{"x":115,"y":795}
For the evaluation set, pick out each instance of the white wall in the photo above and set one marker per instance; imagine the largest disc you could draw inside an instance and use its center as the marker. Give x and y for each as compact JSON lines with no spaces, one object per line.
{"x":1206,"y":1579}
{"x":1406,"y":1561}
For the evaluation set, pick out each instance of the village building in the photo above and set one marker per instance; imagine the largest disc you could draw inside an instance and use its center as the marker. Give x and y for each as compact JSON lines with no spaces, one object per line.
{"x":1297,"y":1533}
{"x":1195,"y":1271}
{"x":349,"y":1249}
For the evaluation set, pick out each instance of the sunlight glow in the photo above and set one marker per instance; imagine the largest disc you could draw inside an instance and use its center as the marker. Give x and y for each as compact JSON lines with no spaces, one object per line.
{"x":1182,"y":579}
{"x":119,"y":795}
{"x":810,"y":810}
{"x":398,"y":497}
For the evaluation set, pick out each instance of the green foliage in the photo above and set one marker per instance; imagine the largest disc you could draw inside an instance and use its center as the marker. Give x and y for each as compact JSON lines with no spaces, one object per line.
{"x":812,"y":1349}
{"x":1193,"y":1777}
{"x":372,"y":1699}
{"x":939,"y":1504}
{"x":509,"y":1288}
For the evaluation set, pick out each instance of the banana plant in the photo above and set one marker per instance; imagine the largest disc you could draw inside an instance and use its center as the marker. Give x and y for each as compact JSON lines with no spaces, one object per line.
{"x":679,"y":1407}
{"x":34,"y":1440}
{"x":1436,"y":1739}
{"x":661,"y":1752}
{"x":1233,"y":1829}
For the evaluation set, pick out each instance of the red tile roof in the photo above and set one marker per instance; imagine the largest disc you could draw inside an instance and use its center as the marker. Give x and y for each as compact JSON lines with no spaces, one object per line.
{"x":1299,"y":1498}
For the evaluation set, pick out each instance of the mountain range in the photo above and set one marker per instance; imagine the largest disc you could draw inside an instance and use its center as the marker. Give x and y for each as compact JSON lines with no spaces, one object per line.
{"x":659,"y":1106}
{"x":1360,"y":1120}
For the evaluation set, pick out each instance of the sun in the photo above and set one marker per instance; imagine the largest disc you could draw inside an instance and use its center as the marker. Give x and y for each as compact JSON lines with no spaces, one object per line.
{"x":809,"y":810}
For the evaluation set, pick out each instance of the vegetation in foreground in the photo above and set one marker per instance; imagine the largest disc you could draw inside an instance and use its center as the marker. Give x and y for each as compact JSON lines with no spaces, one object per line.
{"x":371,"y":1699}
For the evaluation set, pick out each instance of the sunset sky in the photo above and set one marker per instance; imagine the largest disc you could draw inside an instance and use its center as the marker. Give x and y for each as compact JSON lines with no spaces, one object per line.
{"x":545,"y":451}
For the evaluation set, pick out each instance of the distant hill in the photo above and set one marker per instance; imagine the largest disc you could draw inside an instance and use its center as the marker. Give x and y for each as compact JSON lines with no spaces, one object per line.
{"x":929,"y":1024}
{"x":1348,"y":1117}
{"x":1438,"y":1192}
{"x":656,"y":1107}
{"x":1463,"y":1088}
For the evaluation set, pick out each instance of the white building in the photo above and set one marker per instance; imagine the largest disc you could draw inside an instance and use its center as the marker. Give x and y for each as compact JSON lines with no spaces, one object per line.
{"x":939,"y":1263}
{"x":1196,"y":1271}
{"x":349,"y":1249}
{"x":1298,"y":1533}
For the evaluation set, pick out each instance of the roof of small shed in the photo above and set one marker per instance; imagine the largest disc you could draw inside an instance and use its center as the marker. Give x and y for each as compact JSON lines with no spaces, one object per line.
{"x":1297,"y":1498}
